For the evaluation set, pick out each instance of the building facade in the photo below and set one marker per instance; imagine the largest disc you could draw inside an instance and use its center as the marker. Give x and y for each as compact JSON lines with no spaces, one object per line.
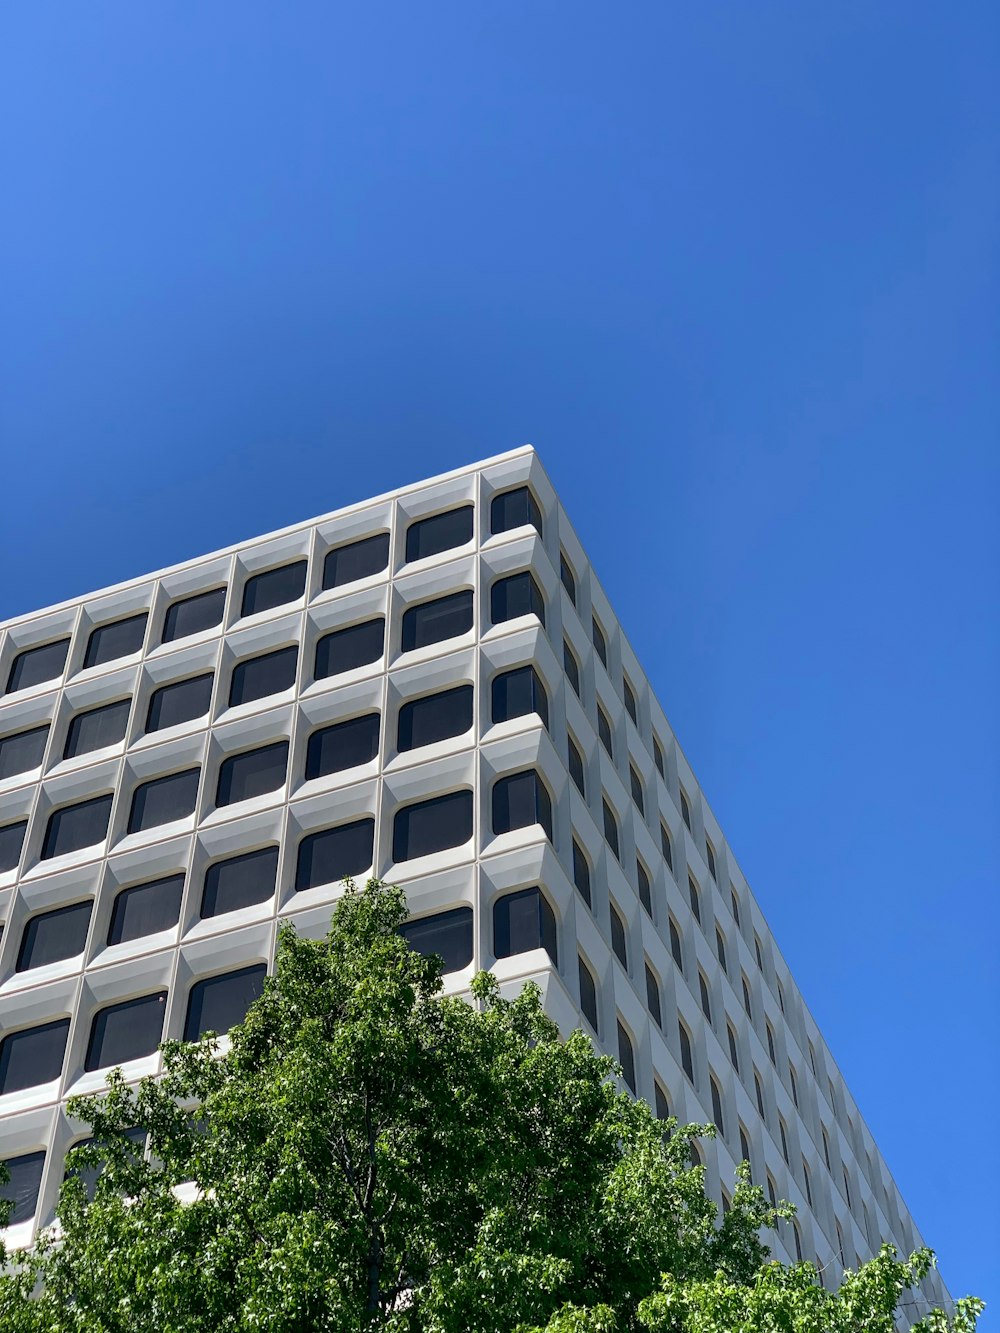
{"x":431,"y":688}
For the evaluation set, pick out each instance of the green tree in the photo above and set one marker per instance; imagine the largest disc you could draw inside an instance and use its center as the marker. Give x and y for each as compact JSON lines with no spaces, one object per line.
{"x":371,"y":1154}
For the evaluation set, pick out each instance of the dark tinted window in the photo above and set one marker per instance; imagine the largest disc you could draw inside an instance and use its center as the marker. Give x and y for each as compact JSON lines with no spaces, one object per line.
{"x":515,"y":509}
{"x":658,"y":758}
{"x":675,"y":945}
{"x":685,"y":808}
{"x":334,"y":853}
{"x":626,"y":1058}
{"x":576,"y":769}
{"x":581,"y":872}
{"x":695,"y":899}
{"x":77,"y":826}
{"x":630,"y":704}
{"x":643,"y":885}
{"x":191,"y":615}
{"x":36,"y":665}
{"x":435,"y":718}
{"x":22,"y":752}
{"x":519,"y":801}
{"x":91,"y":1174}
{"x":568,"y":577}
{"x":604,"y":731}
{"x":52,"y":936}
{"x":119,"y":639}
{"x":433,"y":622}
{"x":432,"y":826}
{"x":357,"y":560}
{"x":720,"y":1124}
{"x":342,"y":745}
{"x":665,"y":847}
{"x":252,"y":773}
{"x":32,"y":1056}
{"x":163,"y":800}
{"x":516,"y":595}
{"x":687,"y":1058}
{"x":600,"y":642}
{"x":145,"y":909}
{"x":447,"y":934}
{"x":524,"y":921}
{"x":618,"y":943}
{"x":517,"y":693}
{"x":440,"y":532}
{"x":572,"y":668}
{"x":653,"y":996}
{"x":273,"y":588}
{"x":22,"y":1186}
{"x":588,"y":994}
{"x":258,"y":677}
{"x":11,"y":842}
{"x":181,"y":701}
{"x":97,"y":728}
{"x":706,"y":1002}
{"x":662,"y":1106}
{"x":710,"y":859}
{"x":126,"y":1031}
{"x":636,"y":785}
{"x":611,"y":829}
{"x":240,"y":881}
{"x":347,"y":649}
{"x":219,"y":1003}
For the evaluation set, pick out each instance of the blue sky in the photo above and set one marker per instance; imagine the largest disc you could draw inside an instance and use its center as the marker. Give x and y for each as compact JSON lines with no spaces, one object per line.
{"x":262,"y":260}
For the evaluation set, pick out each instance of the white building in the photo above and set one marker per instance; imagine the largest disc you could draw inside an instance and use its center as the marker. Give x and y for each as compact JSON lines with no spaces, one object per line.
{"x":432,"y":688}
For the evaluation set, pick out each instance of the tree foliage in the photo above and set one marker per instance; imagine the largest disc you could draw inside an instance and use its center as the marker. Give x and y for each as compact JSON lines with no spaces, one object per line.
{"x":367,"y":1153}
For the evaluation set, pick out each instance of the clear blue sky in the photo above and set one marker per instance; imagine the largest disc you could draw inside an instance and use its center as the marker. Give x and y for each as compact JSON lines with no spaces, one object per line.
{"x":261,"y":260}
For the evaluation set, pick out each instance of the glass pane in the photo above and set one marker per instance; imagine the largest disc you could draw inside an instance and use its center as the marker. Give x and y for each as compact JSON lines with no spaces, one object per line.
{"x":588,"y":994}
{"x":273,"y":588}
{"x":119,"y":639}
{"x":515,"y":509}
{"x":433,"y":622}
{"x":52,"y":936}
{"x":33,"y":1056}
{"x":653,"y":997}
{"x":335,"y":853}
{"x":432,"y":826}
{"x":181,"y":701}
{"x":258,"y":677}
{"x":358,"y":560}
{"x":440,"y":532}
{"x":626,"y":1057}
{"x":146,"y":909}
{"x":22,"y":752}
{"x":618,"y":938}
{"x":11,"y":842}
{"x":571,"y":668}
{"x":91,"y":1174}
{"x":521,"y":922}
{"x":219,"y":1003}
{"x":126,"y":1031}
{"x":163,"y":800}
{"x":518,"y":595}
{"x":567,"y":577}
{"x":600,"y":643}
{"x":447,"y":934}
{"x":97,"y":728}
{"x":343,"y":745}
{"x":77,"y":826}
{"x":610,"y":829}
{"x":517,"y":693}
{"x":435,"y":718}
{"x":519,"y":801}
{"x":191,"y":615}
{"x":241,"y":881}
{"x":21,"y":1188}
{"x":350,"y":648}
{"x":36,"y":665}
{"x":576,"y":769}
{"x":254,"y":773}
{"x":581,"y":873}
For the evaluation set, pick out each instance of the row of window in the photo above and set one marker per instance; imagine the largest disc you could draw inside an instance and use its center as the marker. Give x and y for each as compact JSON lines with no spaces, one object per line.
{"x":273,"y":588}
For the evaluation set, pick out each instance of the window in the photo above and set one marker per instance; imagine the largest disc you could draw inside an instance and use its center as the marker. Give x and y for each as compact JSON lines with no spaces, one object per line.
{"x":744,"y":1145}
{"x":793,"y":1084}
{"x":121,"y":638}
{"x":720,"y":1124}
{"x":826,"y":1148}
{"x":600,"y":642}
{"x":644,"y":887}
{"x":733,"y":1049}
{"x":126,"y":1031}
{"x":687,"y":1057}
{"x":434,"y":718}
{"x":781,"y":996}
{"x":163,"y":800}
{"x":184,"y":700}
{"x":35,"y":666}
{"x":52,"y":936}
{"x":710,"y":858}
{"x":334,"y":854}
{"x":661,"y":1105}
{"x":720,"y":948}
{"x":515,"y":509}
{"x":604,"y":731}
{"x":685,"y":809}
{"x":588,"y":994}
{"x":695,"y":899}
{"x":832,"y":1094}
{"x":219,"y":1003}
{"x":807,"y":1183}
{"x":653,"y":997}
{"x":257,"y":677}
{"x":746,"y":998}
{"x":77,"y":826}
{"x":665,"y":847}
{"x":727,"y":1203}
{"x":658,"y":759}
{"x":146,"y":909}
{"x":517,"y":693}
{"x":611,"y":829}
{"x":433,"y":622}
{"x":239,"y":881}
{"x":637,"y":795}
{"x":520,"y":800}
{"x":706,"y":1002}
{"x":440,"y":532}
{"x":22,"y":752}
{"x":675,"y":945}
{"x":24,"y":1180}
{"x":432,"y":826}
{"x":11,"y":842}
{"x":626,"y":1057}
{"x":798,"y":1240}
{"x":847,"y":1187}
{"x":356,"y":560}
{"x":618,"y":943}
{"x":735,"y":904}
{"x":772,"y":1193}
{"x":524,"y":921}
{"x":757,"y":953}
{"x":576,"y":770}
{"x":97,"y":728}
{"x":784,"y":1138}
{"x":812,"y":1059}
{"x":572,"y":668}
{"x":630,"y":704}
{"x":567,"y":576}
{"x":252,"y":773}
{"x":90,"y":1175}
{"x":840,"y":1246}
{"x":581,"y":873}
{"x":342,"y":745}
{"x":446,"y":934}
{"x":770,"y":1041}
{"x":759,"y":1093}
{"x":347,"y":649}
{"x":191,"y":615}
{"x":274,"y":588}
{"x":516,"y":595}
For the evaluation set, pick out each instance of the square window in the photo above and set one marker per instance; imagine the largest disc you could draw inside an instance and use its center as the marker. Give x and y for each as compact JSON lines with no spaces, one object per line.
{"x":146,"y":909}
{"x":514,"y":596}
{"x":252,"y":773}
{"x":126,"y":1031}
{"x":77,"y":826}
{"x":524,"y":921}
{"x":440,"y":532}
{"x":219,"y":1003}
{"x":433,"y":622}
{"x":121,"y":638}
{"x":432,"y":826}
{"x":257,"y":677}
{"x":350,"y":648}
{"x":446,"y":934}
{"x":32,"y":1056}
{"x":343,"y":745}
{"x":274,"y":587}
{"x":53,"y":936}
{"x":24,"y":1180}
{"x":192,"y":615}
{"x":163,"y":800}
{"x":35,"y":666}
{"x":517,"y":693}
{"x":181,"y":701}
{"x":97,"y":728}
{"x":11,"y":842}
{"x":334,"y":854}
{"x":22,"y":752}
{"x":356,"y":560}
{"x":519,"y":801}
{"x":239,"y":881}
{"x":436,"y":717}
{"x":515,"y":509}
